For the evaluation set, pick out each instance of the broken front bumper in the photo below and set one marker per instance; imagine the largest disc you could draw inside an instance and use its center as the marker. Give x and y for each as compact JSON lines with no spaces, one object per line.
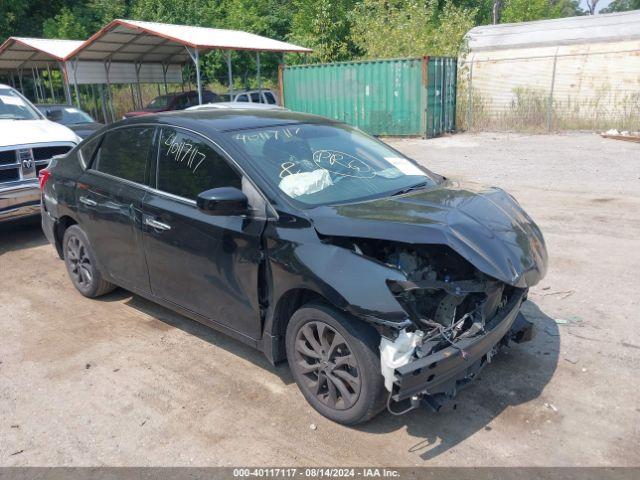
{"x":446,"y":371}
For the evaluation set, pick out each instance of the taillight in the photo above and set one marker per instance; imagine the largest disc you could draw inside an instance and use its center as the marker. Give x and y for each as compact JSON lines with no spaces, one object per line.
{"x":43,"y":176}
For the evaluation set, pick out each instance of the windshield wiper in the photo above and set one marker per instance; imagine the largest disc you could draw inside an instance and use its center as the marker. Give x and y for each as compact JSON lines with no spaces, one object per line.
{"x":404,"y":190}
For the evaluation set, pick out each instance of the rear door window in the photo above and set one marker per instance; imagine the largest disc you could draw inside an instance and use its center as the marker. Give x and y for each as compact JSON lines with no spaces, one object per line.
{"x":255,"y":97}
{"x":123,"y":153}
{"x":187,"y":166}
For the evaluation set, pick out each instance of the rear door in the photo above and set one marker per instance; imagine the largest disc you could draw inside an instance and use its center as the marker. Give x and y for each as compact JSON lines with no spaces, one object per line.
{"x":109,"y":198}
{"x":206,"y":264}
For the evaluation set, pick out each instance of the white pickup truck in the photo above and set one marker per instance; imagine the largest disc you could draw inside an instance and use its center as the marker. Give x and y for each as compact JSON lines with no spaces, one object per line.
{"x":27,"y":142}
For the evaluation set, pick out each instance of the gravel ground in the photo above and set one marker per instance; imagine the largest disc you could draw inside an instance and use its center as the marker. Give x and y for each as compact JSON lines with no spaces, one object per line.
{"x":122,"y":381}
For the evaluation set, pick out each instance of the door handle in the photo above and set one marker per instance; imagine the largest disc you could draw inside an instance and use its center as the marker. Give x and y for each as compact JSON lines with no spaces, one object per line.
{"x":88,"y":202}
{"x":153,"y":223}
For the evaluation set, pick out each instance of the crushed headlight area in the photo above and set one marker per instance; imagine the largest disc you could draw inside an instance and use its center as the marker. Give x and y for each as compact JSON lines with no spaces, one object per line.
{"x":459,"y":318}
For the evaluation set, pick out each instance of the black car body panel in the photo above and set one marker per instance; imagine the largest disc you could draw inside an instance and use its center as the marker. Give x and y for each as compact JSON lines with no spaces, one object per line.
{"x":484,"y":225}
{"x":246,"y":274}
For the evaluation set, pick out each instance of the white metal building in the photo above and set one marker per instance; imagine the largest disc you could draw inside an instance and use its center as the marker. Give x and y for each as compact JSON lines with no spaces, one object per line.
{"x":568,"y":73}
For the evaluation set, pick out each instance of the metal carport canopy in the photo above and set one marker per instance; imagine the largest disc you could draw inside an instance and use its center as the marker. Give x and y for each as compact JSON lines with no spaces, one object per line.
{"x":22,"y":52}
{"x":19,"y":53}
{"x":149,"y":42}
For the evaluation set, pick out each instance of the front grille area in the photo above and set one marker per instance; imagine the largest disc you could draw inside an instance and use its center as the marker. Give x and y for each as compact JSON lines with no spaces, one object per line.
{"x":45,"y":153}
{"x":8,"y":156}
{"x":25,"y":162}
{"x":10,"y":175}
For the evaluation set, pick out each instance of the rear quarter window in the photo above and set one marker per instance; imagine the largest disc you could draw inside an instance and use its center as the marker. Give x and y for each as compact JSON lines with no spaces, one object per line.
{"x":123,"y":153}
{"x":86,"y":151}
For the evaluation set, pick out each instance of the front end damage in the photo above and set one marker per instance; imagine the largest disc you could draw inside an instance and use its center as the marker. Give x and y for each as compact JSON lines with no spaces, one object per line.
{"x":457,"y":319}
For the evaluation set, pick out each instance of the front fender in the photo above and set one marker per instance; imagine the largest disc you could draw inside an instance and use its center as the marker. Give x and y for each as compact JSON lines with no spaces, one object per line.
{"x":348,"y":280}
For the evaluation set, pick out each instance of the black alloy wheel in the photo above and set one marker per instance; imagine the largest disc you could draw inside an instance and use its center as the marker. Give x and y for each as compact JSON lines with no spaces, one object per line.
{"x":81,"y":264}
{"x":325,"y":361}
{"x":335,"y":360}
{"x":79,"y":261}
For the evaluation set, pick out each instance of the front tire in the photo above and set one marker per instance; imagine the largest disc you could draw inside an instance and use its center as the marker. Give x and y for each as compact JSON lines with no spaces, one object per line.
{"x":335,"y":362}
{"x":81,"y":264}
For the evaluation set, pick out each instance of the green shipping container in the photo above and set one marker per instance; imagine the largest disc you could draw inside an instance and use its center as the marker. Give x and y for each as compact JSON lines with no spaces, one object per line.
{"x":414,"y":96}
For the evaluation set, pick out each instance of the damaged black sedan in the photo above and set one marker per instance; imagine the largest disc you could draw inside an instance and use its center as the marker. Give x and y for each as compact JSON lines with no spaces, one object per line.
{"x":381,"y":283}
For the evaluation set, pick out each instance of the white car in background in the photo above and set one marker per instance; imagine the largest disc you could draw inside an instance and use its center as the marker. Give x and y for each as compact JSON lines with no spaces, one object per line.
{"x":28,"y":141}
{"x":262,"y":95}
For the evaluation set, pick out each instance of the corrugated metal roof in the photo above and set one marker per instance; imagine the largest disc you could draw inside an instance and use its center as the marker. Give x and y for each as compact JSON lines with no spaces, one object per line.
{"x":561,"y":31}
{"x":150,"y":42}
{"x":25,"y":52}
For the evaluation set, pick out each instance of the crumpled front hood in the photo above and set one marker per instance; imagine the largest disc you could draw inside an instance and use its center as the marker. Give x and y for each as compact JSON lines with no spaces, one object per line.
{"x":24,"y":132}
{"x":484,"y":225}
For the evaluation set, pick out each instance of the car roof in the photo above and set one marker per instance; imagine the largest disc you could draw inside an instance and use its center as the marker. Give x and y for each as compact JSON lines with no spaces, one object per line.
{"x":55,"y":105}
{"x":237,"y":106}
{"x":224,"y":120}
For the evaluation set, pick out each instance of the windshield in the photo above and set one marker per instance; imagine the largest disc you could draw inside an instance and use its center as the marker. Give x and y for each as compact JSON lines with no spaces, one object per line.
{"x":161,"y":102}
{"x":69,"y":116}
{"x":327,"y":164}
{"x":13,"y":106}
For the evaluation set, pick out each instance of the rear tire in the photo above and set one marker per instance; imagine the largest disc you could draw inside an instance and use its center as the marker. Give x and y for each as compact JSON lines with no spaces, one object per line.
{"x":81,"y":264}
{"x":335,"y":361}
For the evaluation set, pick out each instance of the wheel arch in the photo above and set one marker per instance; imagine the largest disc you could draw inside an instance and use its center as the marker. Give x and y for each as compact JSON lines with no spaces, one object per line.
{"x":59,"y":228}
{"x":276,"y":325}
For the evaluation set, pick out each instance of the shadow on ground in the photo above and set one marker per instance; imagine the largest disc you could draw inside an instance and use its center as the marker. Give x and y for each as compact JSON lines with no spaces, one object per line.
{"x":515,"y":376}
{"x":21,"y":234}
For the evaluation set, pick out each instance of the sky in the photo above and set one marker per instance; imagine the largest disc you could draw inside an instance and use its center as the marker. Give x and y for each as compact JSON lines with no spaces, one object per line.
{"x":601,"y":4}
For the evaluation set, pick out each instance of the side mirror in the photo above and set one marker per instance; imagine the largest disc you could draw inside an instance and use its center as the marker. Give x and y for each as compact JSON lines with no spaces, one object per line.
{"x":223,"y":201}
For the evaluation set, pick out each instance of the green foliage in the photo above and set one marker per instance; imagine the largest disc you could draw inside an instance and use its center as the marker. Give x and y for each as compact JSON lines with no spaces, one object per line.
{"x":66,"y":24}
{"x":324,"y":26}
{"x":397,"y":28}
{"x":622,"y":6}
{"x":335,"y":29}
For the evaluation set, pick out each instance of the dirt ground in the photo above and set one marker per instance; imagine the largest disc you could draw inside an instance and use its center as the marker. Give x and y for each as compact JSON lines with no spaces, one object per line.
{"x":121,"y":381}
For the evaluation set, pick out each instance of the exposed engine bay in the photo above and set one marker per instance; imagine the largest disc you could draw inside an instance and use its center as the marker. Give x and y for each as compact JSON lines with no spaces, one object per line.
{"x":444,"y":295}
{"x":446,"y":298}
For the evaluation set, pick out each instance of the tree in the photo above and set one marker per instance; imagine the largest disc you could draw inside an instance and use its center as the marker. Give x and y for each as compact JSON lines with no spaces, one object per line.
{"x":397,"y":28}
{"x":325,"y":26}
{"x":496,"y":11}
{"x":591,"y":5}
{"x":621,"y":6}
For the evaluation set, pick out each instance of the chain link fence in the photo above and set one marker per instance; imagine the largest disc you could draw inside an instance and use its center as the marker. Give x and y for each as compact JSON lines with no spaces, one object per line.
{"x":577,"y":87}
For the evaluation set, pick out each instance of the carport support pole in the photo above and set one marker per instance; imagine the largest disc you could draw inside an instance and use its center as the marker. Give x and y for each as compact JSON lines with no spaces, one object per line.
{"x":195,"y":58}
{"x":20,"y":80}
{"x":65,"y":82}
{"x":230,"y":75}
{"x":36,"y":91}
{"x":107,"y":67}
{"x":198,"y":80}
{"x":41,"y":86}
{"x":74,"y":64}
{"x":258,"y":70}
{"x":53,"y":95}
{"x":138,"y":66}
{"x":165,"y":67}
